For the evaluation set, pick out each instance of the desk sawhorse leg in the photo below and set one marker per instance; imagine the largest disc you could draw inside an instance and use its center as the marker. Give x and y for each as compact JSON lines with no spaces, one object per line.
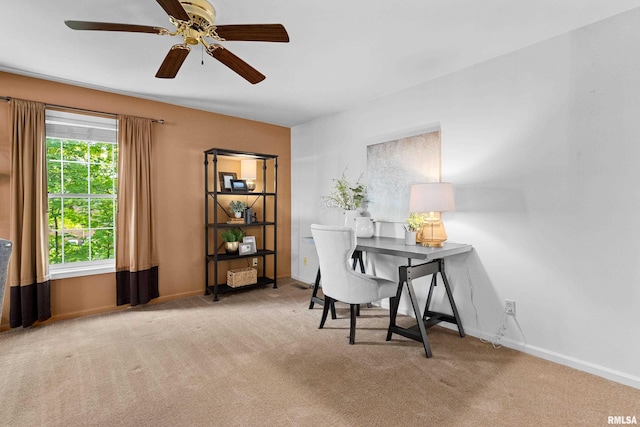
{"x":315,"y":299}
{"x":418,"y":332}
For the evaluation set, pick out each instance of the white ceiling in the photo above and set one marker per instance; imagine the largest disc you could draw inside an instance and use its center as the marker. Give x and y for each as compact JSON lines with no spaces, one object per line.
{"x":342,"y":52}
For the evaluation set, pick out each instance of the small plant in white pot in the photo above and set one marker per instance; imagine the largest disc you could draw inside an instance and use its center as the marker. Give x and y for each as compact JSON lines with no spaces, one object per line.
{"x":238,"y":207}
{"x":414,"y":224}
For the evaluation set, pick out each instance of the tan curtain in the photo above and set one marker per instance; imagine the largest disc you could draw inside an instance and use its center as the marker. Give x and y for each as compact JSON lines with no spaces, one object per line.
{"x":29,"y":266}
{"x":136,"y":260}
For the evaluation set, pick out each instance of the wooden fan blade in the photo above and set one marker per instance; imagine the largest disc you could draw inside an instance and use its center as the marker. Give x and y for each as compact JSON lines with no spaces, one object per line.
{"x":109,"y":26}
{"x":173,"y":61}
{"x":245,"y":70}
{"x":174,"y":8}
{"x":254,"y":33}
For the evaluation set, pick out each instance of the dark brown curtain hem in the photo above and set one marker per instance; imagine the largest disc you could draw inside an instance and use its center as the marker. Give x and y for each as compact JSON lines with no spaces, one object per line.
{"x":136,"y":287}
{"x":29,"y":304}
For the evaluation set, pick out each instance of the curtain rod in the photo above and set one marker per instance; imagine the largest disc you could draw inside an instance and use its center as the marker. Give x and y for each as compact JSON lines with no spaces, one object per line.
{"x":7,"y":98}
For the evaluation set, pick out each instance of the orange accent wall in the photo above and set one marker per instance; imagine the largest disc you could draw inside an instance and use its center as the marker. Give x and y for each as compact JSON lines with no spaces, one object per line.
{"x":178,"y":148}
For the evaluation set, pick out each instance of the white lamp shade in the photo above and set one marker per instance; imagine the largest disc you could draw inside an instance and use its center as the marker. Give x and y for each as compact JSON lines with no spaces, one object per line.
{"x":248,"y":169}
{"x":431,"y":197}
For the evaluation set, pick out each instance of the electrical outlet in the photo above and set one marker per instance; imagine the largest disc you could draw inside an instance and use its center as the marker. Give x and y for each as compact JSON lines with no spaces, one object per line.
{"x":255,"y":262}
{"x":304,"y":261}
{"x":510,"y":307}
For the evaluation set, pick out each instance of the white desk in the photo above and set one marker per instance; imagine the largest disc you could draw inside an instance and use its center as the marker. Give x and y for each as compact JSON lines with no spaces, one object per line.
{"x":396,"y":247}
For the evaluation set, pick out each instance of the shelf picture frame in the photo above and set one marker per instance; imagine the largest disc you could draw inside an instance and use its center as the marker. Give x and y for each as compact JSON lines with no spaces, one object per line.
{"x":247,"y":248}
{"x":239,"y":185}
{"x":226,"y":181}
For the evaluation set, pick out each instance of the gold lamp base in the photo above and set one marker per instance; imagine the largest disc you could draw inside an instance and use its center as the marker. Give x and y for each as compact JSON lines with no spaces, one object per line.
{"x":432,"y":233}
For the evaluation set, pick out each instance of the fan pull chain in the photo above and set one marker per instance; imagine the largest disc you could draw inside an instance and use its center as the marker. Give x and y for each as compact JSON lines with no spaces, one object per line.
{"x":202,"y":52}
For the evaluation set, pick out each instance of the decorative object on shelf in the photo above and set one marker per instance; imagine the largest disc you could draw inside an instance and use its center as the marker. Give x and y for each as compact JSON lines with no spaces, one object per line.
{"x":238,"y":207}
{"x":248,"y":245}
{"x":432,"y":198}
{"x":345,"y":196}
{"x":247,"y":248}
{"x":248,"y":173}
{"x":242,"y":277}
{"x":364,"y":226}
{"x":232,"y":238}
{"x":231,"y":247}
{"x":239,"y":186}
{"x":414,"y":223}
{"x":226,"y":178}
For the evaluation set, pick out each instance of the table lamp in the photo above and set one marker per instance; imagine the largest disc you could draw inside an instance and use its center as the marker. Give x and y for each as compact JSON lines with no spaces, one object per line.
{"x":432,"y":198}
{"x":248,"y":173}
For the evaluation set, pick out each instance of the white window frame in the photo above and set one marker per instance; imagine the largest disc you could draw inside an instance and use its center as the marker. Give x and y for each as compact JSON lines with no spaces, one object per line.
{"x":73,"y":126}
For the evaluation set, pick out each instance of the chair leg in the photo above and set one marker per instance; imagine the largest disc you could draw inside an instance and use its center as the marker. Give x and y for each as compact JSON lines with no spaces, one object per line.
{"x":352,"y":329}
{"x":328,"y":302}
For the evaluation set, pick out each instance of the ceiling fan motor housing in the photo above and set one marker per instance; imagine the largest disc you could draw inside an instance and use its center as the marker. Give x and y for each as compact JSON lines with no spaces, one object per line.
{"x":201,"y":12}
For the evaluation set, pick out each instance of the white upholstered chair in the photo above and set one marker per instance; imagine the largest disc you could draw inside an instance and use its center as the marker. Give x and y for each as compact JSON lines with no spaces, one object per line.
{"x":339,"y":281}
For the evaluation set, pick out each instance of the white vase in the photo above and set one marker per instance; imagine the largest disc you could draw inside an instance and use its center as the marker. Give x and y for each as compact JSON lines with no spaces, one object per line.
{"x":238,"y":214}
{"x":410,"y":237}
{"x":364,"y":226}
{"x":349,"y":218}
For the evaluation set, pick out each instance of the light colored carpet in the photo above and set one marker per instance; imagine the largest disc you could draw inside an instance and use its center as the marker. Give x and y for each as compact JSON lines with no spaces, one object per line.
{"x":256,"y":358}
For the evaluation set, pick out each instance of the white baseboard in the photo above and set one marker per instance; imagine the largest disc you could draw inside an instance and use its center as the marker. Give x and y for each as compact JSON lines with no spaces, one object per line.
{"x":307,"y":281}
{"x":561,"y":359}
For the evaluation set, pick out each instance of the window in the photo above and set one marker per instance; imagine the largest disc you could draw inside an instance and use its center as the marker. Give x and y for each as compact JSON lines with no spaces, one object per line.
{"x":82,"y":159}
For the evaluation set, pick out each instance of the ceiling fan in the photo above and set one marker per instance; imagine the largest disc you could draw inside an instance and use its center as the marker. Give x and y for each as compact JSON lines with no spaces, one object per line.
{"x":194,"y":21}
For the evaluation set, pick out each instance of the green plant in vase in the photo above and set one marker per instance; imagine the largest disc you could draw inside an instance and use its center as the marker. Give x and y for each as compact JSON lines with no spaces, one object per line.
{"x":345,"y":195}
{"x":232,"y":238}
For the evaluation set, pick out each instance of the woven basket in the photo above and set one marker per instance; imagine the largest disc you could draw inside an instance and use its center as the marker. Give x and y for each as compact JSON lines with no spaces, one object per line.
{"x":242,"y":276}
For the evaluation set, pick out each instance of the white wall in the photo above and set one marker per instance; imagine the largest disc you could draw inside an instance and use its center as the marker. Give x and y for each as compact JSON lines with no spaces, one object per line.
{"x":543,"y":147}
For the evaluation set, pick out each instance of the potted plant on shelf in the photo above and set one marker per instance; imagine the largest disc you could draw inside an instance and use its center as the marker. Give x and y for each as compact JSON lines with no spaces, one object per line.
{"x":238,"y":207}
{"x":414,"y":224}
{"x":232,"y":238}
{"x":346,"y":196}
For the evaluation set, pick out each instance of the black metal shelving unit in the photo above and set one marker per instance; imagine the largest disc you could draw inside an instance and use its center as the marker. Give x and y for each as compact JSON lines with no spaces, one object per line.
{"x":264,"y":199}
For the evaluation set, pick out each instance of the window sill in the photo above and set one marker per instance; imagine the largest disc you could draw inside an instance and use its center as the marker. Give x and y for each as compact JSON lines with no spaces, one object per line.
{"x":68,"y":272}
